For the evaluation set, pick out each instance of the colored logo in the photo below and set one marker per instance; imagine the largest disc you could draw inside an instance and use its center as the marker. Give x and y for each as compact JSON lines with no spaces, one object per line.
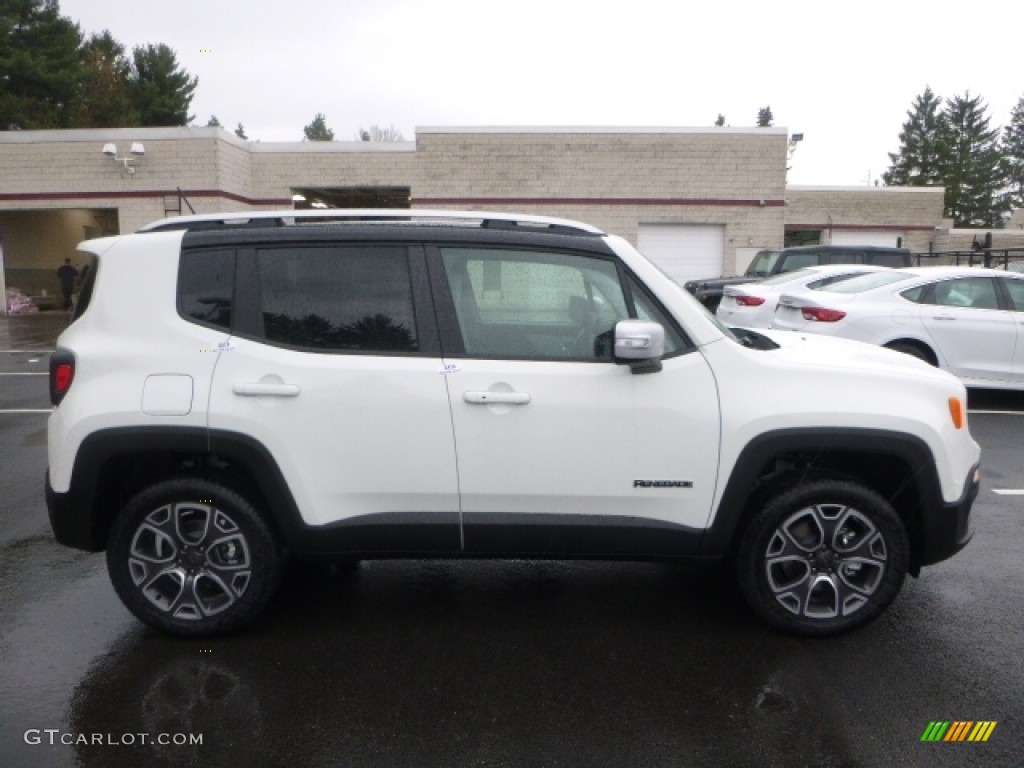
{"x":958,"y":730}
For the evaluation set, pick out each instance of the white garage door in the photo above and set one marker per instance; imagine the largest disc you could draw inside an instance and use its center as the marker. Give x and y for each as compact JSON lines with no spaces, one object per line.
{"x":853,"y":237}
{"x":684,"y":251}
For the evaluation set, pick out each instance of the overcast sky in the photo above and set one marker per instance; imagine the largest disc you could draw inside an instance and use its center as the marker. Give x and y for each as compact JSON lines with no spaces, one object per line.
{"x":844,"y":75}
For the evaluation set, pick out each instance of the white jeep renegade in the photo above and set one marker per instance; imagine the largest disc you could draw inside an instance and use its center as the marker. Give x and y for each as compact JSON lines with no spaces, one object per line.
{"x":238,"y":389}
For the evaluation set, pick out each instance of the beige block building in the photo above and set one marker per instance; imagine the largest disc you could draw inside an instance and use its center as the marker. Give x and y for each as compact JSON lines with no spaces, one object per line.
{"x":699,"y":201}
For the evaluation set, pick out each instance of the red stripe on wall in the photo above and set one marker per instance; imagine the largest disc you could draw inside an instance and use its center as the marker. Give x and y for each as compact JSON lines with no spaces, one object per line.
{"x":140,"y":194}
{"x":639,"y":201}
{"x":866,"y":227}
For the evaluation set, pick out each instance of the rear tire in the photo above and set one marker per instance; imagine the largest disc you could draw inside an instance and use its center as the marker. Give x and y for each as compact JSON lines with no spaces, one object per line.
{"x":192,"y":557}
{"x":823,"y":558}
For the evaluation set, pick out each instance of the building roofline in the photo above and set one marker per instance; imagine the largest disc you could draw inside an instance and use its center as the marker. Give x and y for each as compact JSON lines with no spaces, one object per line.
{"x":115,"y":134}
{"x":590,"y":129}
{"x":218,"y":133}
{"x":363,"y":147}
{"x":891,"y":190}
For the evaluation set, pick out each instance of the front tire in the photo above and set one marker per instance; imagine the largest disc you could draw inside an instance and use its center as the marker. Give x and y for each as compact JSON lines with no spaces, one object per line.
{"x":823,"y":558}
{"x":192,"y":557}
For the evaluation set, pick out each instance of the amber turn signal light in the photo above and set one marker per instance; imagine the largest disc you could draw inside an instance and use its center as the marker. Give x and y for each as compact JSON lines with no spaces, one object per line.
{"x":956,"y":411}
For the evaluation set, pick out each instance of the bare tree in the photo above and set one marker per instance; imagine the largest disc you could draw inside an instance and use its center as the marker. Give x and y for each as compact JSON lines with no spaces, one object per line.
{"x":376,"y":133}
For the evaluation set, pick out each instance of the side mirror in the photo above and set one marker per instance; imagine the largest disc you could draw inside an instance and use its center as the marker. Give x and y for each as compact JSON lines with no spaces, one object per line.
{"x":640,"y":345}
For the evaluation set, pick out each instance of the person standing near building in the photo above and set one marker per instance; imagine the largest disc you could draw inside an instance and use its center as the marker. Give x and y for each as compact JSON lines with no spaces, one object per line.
{"x":67,"y":275}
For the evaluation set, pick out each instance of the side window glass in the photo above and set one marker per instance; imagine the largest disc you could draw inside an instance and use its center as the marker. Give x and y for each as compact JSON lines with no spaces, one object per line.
{"x":918,"y":295}
{"x":1016,"y":290}
{"x":338,"y":299}
{"x":763,"y":263}
{"x":529,"y":304}
{"x":973,"y":292}
{"x":206,"y":281}
{"x":886,"y":259}
{"x":86,"y":280}
{"x":795,"y":261}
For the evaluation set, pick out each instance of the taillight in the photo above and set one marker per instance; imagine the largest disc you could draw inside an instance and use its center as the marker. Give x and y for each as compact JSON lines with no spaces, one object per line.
{"x":749,"y":301}
{"x":62,"y":373}
{"x":822,"y":315}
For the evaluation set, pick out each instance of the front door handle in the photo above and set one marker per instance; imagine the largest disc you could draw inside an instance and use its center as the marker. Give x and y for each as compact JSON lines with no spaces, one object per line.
{"x":943,"y":317}
{"x":496,"y":398}
{"x":263,"y":389}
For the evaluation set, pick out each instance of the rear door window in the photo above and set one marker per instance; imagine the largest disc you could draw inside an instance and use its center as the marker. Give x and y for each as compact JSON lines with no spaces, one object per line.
{"x":347,"y":298}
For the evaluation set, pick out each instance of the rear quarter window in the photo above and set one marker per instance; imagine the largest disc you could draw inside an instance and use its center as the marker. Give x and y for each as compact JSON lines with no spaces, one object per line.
{"x":86,"y":279}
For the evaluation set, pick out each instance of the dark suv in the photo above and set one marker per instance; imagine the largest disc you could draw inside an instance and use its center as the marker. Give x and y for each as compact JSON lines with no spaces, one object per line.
{"x":771,"y":262}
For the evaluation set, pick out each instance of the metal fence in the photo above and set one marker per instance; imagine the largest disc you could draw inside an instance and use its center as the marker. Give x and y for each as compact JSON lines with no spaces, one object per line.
{"x":1011,"y":259}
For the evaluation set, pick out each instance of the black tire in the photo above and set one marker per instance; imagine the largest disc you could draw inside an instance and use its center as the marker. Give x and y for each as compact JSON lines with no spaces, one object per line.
{"x":914,"y":350}
{"x":192,"y":557}
{"x":823,"y":558}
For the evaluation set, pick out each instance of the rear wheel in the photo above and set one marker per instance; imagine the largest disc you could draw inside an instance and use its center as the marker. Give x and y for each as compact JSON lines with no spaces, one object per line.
{"x":823,"y":558}
{"x":192,"y":557}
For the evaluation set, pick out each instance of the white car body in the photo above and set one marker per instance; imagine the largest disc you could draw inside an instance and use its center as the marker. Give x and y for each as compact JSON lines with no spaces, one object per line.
{"x":752,"y":305}
{"x":599,"y":413}
{"x":555,"y":451}
{"x":966,"y":320}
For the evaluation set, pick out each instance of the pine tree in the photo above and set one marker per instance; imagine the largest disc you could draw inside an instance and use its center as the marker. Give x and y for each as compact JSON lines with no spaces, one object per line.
{"x":240,"y":132}
{"x":1013,"y":155}
{"x":318,"y":130}
{"x":104,"y":98}
{"x":161,"y":90}
{"x":764,"y":117}
{"x":973,"y":171}
{"x":40,"y":68}
{"x":213,"y":122}
{"x":918,"y":161}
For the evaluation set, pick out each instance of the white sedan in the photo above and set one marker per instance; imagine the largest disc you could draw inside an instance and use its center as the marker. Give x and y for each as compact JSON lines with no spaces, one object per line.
{"x":752,"y":305}
{"x":967,"y":320}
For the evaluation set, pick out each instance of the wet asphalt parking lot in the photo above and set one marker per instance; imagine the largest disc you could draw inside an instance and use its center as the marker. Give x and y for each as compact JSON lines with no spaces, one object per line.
{"x":504,"y":663}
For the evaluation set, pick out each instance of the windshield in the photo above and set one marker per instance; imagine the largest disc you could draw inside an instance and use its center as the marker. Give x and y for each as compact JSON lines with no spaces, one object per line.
{"x":762,"y":264}
{"x":866,"y":282}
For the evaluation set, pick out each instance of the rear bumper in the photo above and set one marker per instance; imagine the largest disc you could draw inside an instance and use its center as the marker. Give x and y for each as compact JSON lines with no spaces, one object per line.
{"x":72,"y":525}
{"x":947,"y":530}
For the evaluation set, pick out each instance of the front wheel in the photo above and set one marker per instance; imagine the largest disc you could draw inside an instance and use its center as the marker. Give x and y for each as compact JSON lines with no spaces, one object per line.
{"x":823,"y":558}
{"x":192,"y":557}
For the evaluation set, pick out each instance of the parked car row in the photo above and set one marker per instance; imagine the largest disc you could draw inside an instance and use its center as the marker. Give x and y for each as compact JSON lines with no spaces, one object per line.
{"x":769,"y":263}
{"x":752,"y":305}
{"x":967,"y":320}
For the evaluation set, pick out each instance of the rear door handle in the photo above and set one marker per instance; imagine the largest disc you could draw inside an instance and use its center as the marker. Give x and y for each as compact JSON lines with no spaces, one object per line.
{"x":493,"y":398}
{"x":260,"y":389}
{"x":943,"y":317}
